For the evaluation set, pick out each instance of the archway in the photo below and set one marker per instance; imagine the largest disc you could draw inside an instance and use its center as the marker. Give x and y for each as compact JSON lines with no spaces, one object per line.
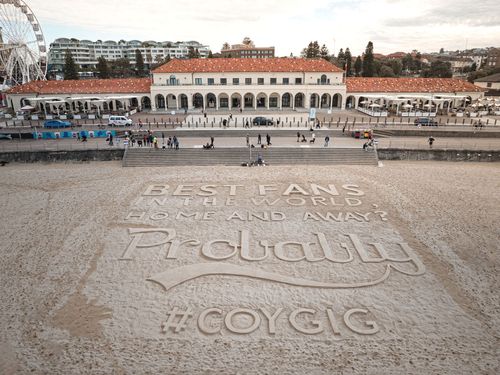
{"x":323,"y":80}
{"x":223,"y":101}
{"x":211,"y":100}
{"x":183,"y":101}
{"x":248,"y":100}
{"x":274,"y":100}
{"x":160,"y":101}
{"x":351,"y":102}
{"x":146,"y":102}
{"x":337,"y":101}
{"x":134,"y":102}
{"x":171,"y":101}
{"x":235,"y":100}
{"x":198,"y":100}
{"x":286,"y":100}
{"x":325,"y":101}
{"x":299,"y":100}
{"x":261,"y":100}
{"x":314,"y":101}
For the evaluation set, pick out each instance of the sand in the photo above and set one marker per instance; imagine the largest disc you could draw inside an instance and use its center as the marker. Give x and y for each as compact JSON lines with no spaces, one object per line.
{"x":74,"y":301}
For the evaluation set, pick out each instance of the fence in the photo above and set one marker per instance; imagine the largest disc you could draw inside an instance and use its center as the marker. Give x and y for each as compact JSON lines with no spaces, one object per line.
{"x":284,"y":121}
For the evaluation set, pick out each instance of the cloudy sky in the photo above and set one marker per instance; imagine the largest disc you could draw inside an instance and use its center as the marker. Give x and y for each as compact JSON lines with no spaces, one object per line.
{"x":289,"y":25}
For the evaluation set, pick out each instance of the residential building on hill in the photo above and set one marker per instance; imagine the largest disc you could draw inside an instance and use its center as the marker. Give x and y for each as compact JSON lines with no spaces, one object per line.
{"x":86,"y":53}
{"x":247,"y":50}
{"x":493,"y":58}
{"x":490,"y":83}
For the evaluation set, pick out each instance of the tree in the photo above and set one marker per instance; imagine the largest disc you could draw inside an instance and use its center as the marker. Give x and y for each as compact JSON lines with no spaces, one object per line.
{"x":386,"y":71}
{"x":139,"y":63}
{"x":324,"y":53}
{"x":311,"y":51}
{"x":439,"y":69}
{"x":193,"y":53}
{"x":248,"y":42}
{"x":358,"y":65}
{"x":121,"y":68}
{"x":348,"y":62}
{"x":340,"y":61}
{"x":210,"y":54}
{"x":441,"y":50}
{"x":226,"y":46}
{"x":396,"y":66}
{"x":368,"y":64}
{"x":102,"y":68}
{"x":70,"y":70}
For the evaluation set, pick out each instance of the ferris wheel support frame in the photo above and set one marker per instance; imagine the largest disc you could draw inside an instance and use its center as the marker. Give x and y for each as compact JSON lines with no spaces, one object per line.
{"x":20,"y":64}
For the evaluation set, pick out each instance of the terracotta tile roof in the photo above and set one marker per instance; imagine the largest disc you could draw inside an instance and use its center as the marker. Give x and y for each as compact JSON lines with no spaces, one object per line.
{"x":274,"y":64}
{"x":85,"y":86}
{"x":442,"y":85}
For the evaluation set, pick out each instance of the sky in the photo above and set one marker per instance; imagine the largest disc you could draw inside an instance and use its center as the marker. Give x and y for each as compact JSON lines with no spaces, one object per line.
{"x":288,"y":25}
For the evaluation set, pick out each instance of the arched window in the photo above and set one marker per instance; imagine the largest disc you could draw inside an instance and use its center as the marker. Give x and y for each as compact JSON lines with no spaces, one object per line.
{"x":172,"y":80}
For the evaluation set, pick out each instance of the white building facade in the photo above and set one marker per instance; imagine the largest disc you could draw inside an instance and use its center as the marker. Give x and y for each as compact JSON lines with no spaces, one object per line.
{"x":239,"y":83}
{"x":86,"y":52}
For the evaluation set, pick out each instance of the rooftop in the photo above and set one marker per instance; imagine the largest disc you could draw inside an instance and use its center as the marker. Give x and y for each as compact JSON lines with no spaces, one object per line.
{"x":277,"y":64}
{"x":85,"y":86}
{"x":490,"y":78}
{"x":438,"y":85}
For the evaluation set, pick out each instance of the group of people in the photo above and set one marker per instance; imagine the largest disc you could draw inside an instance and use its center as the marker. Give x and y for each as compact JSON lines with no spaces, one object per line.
{"x":302,"y":138}
{"x":147,"y":140}
{"x":259,"y":140}
{"x":210,"y":144}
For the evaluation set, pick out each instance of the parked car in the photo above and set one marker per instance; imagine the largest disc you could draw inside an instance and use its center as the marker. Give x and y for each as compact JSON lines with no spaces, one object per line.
{"x":5,"y":136}
{"x":424,"y":121}
{"x":57,"y":124}
{"x":262,"y":121}
{"x":119,"y":121}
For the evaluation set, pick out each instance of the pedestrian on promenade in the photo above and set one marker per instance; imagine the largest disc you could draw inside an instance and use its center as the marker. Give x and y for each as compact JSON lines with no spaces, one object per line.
{"x":259,"y":139}
{"x":268,"y":139}
{"x":327,"y":139}
{"x":298,"y":136}
{"x":248,"y":140}
{"x":431,"y":141}
{"x":175,"y":142}
{"x":247,"y":124}
{"x":212,"y":139}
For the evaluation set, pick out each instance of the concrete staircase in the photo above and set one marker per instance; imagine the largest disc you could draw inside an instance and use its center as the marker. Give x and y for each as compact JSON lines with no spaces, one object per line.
{"x":234,"y":156}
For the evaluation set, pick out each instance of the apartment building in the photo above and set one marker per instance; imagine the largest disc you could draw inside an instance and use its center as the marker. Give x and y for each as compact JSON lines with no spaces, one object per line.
{"x":86,"y":52}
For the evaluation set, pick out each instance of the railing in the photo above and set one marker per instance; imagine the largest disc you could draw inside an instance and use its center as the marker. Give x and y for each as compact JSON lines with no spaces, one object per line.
{"x":248,"y":84}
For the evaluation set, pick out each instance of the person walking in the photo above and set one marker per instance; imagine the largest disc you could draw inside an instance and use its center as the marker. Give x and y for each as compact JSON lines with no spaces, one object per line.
{"x":259,"y":139}
{"x":248,"y":140}
{"x":431,"y":141}
{"x":327,"y":139}
{"x":268,"y":139}
{"x":212,"y":139}
{"x":298,"y":136}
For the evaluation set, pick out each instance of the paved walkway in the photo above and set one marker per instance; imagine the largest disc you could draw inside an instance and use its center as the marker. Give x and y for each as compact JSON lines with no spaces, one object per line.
{"x":195,"y":142}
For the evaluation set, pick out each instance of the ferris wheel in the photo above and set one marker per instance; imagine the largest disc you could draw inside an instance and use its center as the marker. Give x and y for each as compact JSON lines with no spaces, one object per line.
{"x":23,"y":53}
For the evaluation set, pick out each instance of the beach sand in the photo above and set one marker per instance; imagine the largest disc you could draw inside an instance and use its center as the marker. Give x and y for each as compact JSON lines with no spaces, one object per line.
{"x":77,"y":297}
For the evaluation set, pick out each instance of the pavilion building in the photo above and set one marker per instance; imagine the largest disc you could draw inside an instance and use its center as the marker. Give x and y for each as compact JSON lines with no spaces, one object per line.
{"x":234,"y":84}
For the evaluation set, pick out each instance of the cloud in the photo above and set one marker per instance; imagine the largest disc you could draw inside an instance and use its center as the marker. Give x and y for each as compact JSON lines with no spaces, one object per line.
{"x":289,"y":26}
{"x":456,"y":13}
